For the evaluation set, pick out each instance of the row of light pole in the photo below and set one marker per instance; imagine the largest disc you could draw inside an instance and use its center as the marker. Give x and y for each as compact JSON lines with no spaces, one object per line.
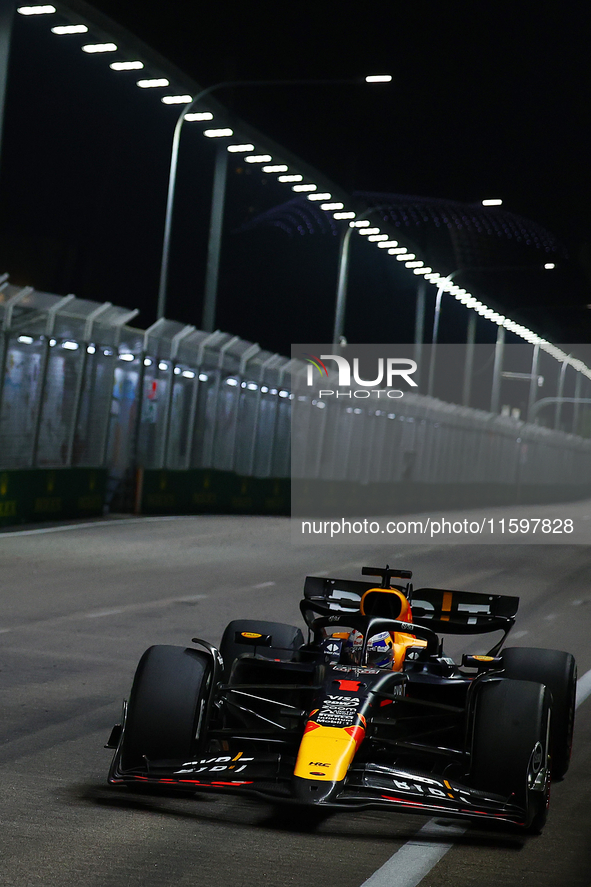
{"x":498,"y":374}
{"x":7,"y":9}
{"x":219,"y":186}
{"x":216,"y":220}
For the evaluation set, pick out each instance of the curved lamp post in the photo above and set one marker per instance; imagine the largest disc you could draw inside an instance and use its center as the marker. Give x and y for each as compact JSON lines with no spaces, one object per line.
{"x":162,"y":290}
{"x":470,"y":339}
{"x":343,"y":276}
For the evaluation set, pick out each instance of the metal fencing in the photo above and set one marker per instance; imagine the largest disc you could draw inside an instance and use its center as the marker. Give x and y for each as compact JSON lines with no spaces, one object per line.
{"x":424,"y":440}
{"x":79,"y":387}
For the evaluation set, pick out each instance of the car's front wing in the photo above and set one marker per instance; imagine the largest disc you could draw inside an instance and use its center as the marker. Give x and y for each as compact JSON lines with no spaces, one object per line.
{"x":270,"y":776}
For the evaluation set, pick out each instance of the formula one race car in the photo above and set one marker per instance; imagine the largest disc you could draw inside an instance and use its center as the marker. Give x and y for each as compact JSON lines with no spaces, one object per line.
{"x":367,"y":712}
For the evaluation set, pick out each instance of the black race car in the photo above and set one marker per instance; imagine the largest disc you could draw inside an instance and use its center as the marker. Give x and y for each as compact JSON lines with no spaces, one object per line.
{"x":367,"y":712}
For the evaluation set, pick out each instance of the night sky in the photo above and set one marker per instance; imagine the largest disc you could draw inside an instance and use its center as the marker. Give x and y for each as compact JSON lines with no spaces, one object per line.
{"x":488,"y":100}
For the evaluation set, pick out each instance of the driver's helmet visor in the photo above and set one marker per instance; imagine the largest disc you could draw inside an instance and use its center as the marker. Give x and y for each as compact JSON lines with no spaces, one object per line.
{"x":379,"y":654}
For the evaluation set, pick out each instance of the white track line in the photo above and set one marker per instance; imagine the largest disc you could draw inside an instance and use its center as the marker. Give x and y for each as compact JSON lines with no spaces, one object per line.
{"x":107,"y":611}
{"x":98,"y":523}
{"x":415,"y":859}
{"x":583,"y":688}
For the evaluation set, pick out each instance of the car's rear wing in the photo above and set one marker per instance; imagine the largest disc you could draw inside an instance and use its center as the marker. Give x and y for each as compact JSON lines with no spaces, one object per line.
{"x":463,"y":612}
{"x":444,"y":610}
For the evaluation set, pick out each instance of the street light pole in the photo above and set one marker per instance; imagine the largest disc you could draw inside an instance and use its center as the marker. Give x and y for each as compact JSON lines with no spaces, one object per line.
{"x":560,"y":393}
{"x":497,"y":370}
{"x":577,"y":401}
{"x":6,"y":16}
{"x":343,"y":276}
{"x":440,"y":289}
{"x":162,"y":289}
{"x":214,"y":245}
{"x":469,"y":360}
{"x":534,"y":383}
{"x":419,"y":327}
{"x":343,"y":280}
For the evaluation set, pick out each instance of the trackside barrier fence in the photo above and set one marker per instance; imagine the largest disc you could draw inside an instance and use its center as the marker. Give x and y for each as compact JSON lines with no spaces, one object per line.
{"x":173,"y":419}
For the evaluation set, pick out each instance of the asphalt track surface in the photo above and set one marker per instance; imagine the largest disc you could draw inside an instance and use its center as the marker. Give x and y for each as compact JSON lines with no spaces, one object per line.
{"x":80,"y":605}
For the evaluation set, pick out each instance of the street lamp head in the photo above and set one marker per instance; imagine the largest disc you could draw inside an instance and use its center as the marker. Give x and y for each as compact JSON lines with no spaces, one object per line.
{"x":176,"y":99}
{"x":69,"y":29}
{"x":496,"y":201}
{"x":378,"y":78}
{"x":126,"y":66}
{"x":36,"y":10}
{"x":99,"y":47}
{"x":549,"y":266}
{"x":218,"y":133}
{"x":153,"y":82}
{"x":202,"y":115}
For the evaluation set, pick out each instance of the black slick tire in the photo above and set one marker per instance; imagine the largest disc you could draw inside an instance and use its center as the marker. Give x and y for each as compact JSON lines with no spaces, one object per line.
{"x":166,"y":706}
{"x":510,"y":745}
{"x":558,"y":671}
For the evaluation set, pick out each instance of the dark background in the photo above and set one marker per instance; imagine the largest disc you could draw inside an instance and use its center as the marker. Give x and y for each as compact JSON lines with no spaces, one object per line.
{"x":488,"y":100}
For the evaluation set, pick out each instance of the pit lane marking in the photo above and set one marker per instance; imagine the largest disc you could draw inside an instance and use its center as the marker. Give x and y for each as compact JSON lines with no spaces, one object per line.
{"x":415,"y":859}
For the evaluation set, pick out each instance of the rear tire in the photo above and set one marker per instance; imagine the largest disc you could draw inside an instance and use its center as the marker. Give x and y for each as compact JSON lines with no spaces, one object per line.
{"x":285,"y":640}
{"x":558,"y":671}
{"x":510,"y":746}
{"x":166,"y":706}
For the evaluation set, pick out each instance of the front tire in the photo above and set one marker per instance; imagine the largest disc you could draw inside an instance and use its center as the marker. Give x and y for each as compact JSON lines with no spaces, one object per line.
{"x":510,"y":747}
{"x":166,"y":706}
{"x":558,"y":671}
